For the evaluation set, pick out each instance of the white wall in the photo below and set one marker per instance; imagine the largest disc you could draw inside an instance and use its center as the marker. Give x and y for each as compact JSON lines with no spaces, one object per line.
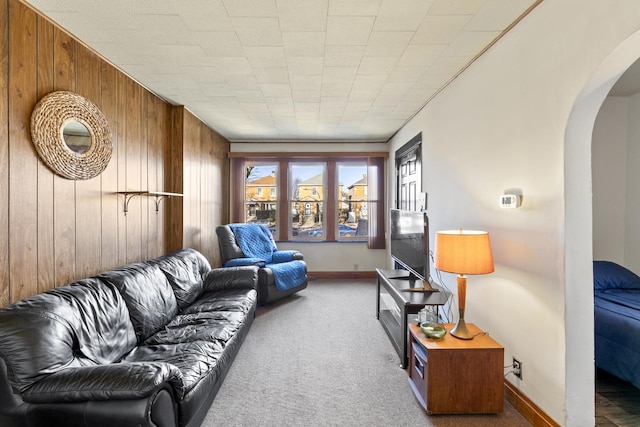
{"x":346,"y":256}
{"x":632,"y":223}
{"x":609,"y":169}
{"x":503,"y":124}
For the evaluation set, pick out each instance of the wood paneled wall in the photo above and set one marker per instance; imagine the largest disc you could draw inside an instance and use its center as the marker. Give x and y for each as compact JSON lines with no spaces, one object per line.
{"x":53,"y":230}
{"x":206,"y":186}
{"x":203,"y":178}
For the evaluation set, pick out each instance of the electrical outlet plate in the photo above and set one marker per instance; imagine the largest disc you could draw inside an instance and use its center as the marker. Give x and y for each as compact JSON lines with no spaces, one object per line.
{"x":517,"y":368}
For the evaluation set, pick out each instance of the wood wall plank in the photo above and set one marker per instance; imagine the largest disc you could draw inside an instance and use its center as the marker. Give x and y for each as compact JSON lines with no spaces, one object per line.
{"x":46,"y":251}
{"x":88,"y":192}
{"x":111,"y":208}
{"x":64,"y":190}
{"x":121,"y":111}
{"x":133,"y":174}
{"x":147,"y":202}
{"x":23,"y":163}
{"x":174,"y":181}
{"x":4,"y":153}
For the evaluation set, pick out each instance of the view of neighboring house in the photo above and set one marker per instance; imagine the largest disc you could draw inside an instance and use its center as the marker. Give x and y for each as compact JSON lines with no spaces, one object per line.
{"x":307,"y":207}
{"x":260,"y":195}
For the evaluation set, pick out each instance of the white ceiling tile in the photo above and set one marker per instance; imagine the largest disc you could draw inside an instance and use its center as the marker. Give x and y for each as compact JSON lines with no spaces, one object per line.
{"x":306,"y":95}
{"x":396,"y":89}
{"x":369,"y":82}
{"x":388,"y":43}
{"x":343,"y":56}
{"x":335,"y":101}
{"x":306,"y":82}
{"x":406,"y":74}
{"x":249,"y":96}
{"x":208,"y":16}
{"x":242,"y":81}
{"x":302,"y":15}
{"x":348,"y":30}
{"x":441,"y":29}
{"x":305,"y":66}
{"x":202,"y":74}
{"x":354,"y":7}
{"x":421,"y":55}
{"x":401,"y":15}
{"x":271,"y":74}
{"x":220,"y":43}
{"x":376,"y":65}
{"x":233,"y":65}
{"x":329,"y":111}
{"x":303,"y":43}
{"x":363,"y":95}
{"x":275,"y":90}
{"x":285,"y":110}
{"x":254,"y":107}
{"x":251,"y":8}
{"x":456,"y":7}
{"x":266,"y":56}
{"x":258,"y":31}
{"x":335,"y":88}
{"x":339,"y":74}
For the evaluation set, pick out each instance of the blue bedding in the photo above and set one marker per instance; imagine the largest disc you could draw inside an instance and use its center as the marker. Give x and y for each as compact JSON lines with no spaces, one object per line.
{"x":617,"y":320}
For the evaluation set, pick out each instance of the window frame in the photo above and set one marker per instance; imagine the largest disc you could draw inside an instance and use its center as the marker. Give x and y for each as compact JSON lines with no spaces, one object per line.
{"x":376,"y":204}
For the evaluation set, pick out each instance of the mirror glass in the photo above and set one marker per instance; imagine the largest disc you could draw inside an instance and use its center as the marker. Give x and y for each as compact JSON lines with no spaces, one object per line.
{"x":76,"y":136}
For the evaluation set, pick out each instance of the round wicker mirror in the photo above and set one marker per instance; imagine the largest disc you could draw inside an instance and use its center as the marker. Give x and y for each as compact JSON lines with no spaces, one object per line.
{"x":71,"y":135}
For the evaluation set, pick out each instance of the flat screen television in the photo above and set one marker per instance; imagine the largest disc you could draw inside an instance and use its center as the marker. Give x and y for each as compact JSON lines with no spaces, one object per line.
{"x":410,"y":247}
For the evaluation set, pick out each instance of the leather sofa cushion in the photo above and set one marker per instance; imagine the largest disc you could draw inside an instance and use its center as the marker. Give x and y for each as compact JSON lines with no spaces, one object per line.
{"x":195,"y":359}
{"x":239,"y":300}
{"x":184,"y":270}
{"x":81,"y":324}
{"x":147,"y":294}
{"x":216,"y":325}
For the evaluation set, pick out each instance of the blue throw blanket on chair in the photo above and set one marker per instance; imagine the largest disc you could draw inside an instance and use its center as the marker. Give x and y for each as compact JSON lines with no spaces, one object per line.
{"x":257,"y":244}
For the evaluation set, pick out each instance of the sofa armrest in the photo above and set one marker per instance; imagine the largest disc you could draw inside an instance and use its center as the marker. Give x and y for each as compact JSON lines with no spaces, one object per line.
{"x":106,"y":382}
{"x":231,"y":278}
{"x":286,"y":256}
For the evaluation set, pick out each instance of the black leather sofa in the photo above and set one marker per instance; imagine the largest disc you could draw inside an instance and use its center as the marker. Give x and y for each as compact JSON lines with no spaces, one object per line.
{"x":267,"y":289}
{"x":148,"y":344}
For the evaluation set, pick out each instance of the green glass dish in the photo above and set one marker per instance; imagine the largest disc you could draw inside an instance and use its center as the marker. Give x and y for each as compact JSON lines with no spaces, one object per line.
{"x":433,"y":330}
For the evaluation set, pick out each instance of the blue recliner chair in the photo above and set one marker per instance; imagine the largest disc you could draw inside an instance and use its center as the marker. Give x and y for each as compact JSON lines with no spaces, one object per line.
{"x":280,"y":274}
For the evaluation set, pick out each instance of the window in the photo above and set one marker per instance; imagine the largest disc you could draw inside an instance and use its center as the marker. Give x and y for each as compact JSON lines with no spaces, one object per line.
{"x":307,"y":181}
{"x":337,"y":198}
{"x":260,"y":179}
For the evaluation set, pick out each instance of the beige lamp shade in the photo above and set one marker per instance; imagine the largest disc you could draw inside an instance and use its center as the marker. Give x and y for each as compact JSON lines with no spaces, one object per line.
{"x":463,"y":252}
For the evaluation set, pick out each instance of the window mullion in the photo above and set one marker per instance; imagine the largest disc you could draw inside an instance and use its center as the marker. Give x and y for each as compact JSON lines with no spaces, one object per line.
{"x":282,"y":197}
{"x":330,"y":202}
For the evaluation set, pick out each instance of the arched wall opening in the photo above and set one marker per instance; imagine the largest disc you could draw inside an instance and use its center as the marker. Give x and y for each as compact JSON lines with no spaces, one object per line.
{"x":578,"y":222}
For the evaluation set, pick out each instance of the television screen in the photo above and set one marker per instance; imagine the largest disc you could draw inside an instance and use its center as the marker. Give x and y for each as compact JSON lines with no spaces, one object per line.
{"x":410,"y":242}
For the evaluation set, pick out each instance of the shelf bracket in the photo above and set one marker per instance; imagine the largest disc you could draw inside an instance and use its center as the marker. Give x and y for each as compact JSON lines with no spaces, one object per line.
{"x":159,"y":196}
{"x":127,"y":199}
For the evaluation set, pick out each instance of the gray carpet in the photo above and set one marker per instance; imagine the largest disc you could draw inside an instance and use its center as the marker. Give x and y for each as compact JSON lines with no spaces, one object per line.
{"x":320,"y":358}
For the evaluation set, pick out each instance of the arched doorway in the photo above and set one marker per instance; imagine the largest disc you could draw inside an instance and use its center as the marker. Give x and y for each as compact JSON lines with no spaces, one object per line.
{"x":578,"y":224}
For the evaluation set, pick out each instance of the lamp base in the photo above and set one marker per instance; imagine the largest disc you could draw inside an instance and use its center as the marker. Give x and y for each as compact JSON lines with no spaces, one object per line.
{"x":460,"y":331}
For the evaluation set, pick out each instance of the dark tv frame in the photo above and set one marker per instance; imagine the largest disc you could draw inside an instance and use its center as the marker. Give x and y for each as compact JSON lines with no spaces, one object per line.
{"x":410,"y":249}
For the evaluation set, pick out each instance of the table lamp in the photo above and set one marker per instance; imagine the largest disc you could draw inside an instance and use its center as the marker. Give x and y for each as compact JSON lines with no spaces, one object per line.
{"x":463,"y":252}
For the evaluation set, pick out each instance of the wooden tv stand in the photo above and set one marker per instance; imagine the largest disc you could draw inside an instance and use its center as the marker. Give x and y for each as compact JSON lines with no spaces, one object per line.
{"x":397,"y":306}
